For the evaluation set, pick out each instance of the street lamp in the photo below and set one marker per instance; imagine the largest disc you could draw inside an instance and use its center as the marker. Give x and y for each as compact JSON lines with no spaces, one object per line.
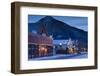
{"x":60,"y":44}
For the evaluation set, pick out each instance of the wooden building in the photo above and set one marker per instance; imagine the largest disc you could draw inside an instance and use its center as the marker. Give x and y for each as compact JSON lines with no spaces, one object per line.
{"x":40,"y":44}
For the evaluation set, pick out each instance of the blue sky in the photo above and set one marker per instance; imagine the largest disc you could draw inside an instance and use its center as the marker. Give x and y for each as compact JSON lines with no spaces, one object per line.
{"x":78,"y":22}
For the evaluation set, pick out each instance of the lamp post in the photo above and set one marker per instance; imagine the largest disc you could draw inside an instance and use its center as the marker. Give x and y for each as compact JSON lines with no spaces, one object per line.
{"x":54,"y":50}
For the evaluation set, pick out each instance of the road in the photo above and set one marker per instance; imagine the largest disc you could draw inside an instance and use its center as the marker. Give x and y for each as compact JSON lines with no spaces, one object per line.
{"x":63,"y":56}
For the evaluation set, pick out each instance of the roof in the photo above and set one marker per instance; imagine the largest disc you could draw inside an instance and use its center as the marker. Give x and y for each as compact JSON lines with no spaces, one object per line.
{"x":39,"y":39}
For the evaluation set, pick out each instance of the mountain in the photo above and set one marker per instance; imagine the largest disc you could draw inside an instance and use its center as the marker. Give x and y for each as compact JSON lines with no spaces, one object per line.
{"x":58,"y":29}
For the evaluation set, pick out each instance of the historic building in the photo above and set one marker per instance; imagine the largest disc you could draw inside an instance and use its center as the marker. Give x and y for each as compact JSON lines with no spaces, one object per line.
{"x":39,"y":43}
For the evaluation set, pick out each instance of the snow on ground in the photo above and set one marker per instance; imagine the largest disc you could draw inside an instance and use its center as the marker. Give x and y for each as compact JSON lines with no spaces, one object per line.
{"x":63,"y":56}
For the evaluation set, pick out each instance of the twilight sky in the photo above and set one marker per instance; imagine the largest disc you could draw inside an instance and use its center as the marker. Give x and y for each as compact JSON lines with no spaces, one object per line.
{"x":78,"y":22}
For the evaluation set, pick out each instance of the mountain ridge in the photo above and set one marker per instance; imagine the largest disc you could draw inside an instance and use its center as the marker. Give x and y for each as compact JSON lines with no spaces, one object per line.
{"x":58,"y":29}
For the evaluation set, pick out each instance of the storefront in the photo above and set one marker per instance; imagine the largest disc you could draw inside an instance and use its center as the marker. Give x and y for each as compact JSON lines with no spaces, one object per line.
{"x":39,"y":45}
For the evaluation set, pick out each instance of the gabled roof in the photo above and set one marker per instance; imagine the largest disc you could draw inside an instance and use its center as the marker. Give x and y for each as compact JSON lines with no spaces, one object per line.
{"x":39,"y":39}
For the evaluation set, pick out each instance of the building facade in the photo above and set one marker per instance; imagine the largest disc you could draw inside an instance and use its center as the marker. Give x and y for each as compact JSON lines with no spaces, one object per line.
{"x":39,"y":45}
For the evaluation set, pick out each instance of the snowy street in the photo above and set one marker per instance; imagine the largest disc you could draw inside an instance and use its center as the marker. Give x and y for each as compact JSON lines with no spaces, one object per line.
{"x":62,"y":56}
